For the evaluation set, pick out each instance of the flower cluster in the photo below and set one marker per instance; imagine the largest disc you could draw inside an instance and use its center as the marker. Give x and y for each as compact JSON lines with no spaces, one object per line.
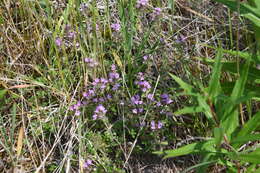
{"x":116,"y":26}
{"x":91,"y":62}
{"x":136,"y":100}
{"x":99,"y":112}
{"x":76,"y":108}
{"x":58,"y":41}
{"x":155,"y":126}
{"x":100,"y":83}
{"x":142,"y":83}
{"x":157,"y":11}
{"x":141,"y":3}
{"x":165,"y":99}
{"x":87,"y":163}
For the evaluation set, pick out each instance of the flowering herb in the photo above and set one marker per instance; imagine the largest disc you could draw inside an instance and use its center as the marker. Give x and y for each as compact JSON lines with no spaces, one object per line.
{"x":116,"y":26}
{"x":87,"y":163}
{"x":58,"y":42}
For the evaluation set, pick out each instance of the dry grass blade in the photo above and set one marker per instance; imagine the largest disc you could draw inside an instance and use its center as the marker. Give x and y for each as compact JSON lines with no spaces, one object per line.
{"x":20,"y":141}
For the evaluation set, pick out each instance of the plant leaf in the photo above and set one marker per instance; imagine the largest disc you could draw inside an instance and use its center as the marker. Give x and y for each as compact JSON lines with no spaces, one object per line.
{"x":189,"y":110}
{"x":188,"y":88}
{"x":218,"y":136}
{"x":2,"y":93}
{"x":214,"y":85}
{"x":188,"y":149}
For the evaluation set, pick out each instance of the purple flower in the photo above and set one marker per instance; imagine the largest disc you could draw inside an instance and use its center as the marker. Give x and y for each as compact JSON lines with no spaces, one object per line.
{"x":165,"y":99}
{"x":141,"y":3}
{"x":109,"y":96}
{"x":157,"y":11}
{"x":181,"y":39}
{"x":103,"y":80}
{"x":115,"y":26}
{"x":113,"y":75}
{"x":99,"y":112}
{"x":95,"y":100}
{"x":113,"y":67}
{"x":78,"y":103}
{"x":77,"y":113}
{"x":145,"y":57}
{"x":71,"y":34}
{"x":95,"y":82}
{"x":158,"y":104}
{"x":71,"y":108}
{"x":83,"y":6}
{"x":101,"y":99}
{"x":91,"y":62}
{"x":87,"y":163}
{"x":116,"y":86}
{"x":140,"y":110}
{"x":144,"y":85}
{"x":58,"y":41}
{"x":153,"y":126}
{"x":140,"y":76}
{"x":97,"y":27}
{"x":90,"y":93}
{"x":150,"y":97}
{"x":136,"y":100}
{"x":94,"y":116}
{"x":76,"y":106}
{"x":159,"y":125}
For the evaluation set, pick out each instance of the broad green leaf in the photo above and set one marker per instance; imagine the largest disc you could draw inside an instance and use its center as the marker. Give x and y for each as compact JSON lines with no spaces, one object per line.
{"x":189,"y":149}
{"x":255,"y":20}
{"x":189,"y":110}
{"x":244,"y":7}
{"x":252,"y":157}
{"x":214,"y":85}
{"x":251,"y":168}
{"x":250,"y":125}
{"x":218,"y":136}
{"x":188,"y":88}
{"x":249,"y":88}
{"x":254,"y":3}
{"x":245,"y":139}
{"x":231,"y":122}
{"x":207,"y":110}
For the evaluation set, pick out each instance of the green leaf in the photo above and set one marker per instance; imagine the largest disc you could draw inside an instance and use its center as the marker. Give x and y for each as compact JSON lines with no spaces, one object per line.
{"x":189,"y":149}
{"x":218,"y":136}
{"x":244,"y":7}
{"x":188,"y":88}
{"x":230,"y":121}
{"x":254,"y":19}
{"x":214,"y":85}
{"x":245,"y":139}
{"x":189,"y":110}
{"x":252,"y":157}
{"x":206,"y":107}
{"x":200,"y":165}
{"x":250,"y":125}
{"x":2,"y":93}
{"x":251,"y":90}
